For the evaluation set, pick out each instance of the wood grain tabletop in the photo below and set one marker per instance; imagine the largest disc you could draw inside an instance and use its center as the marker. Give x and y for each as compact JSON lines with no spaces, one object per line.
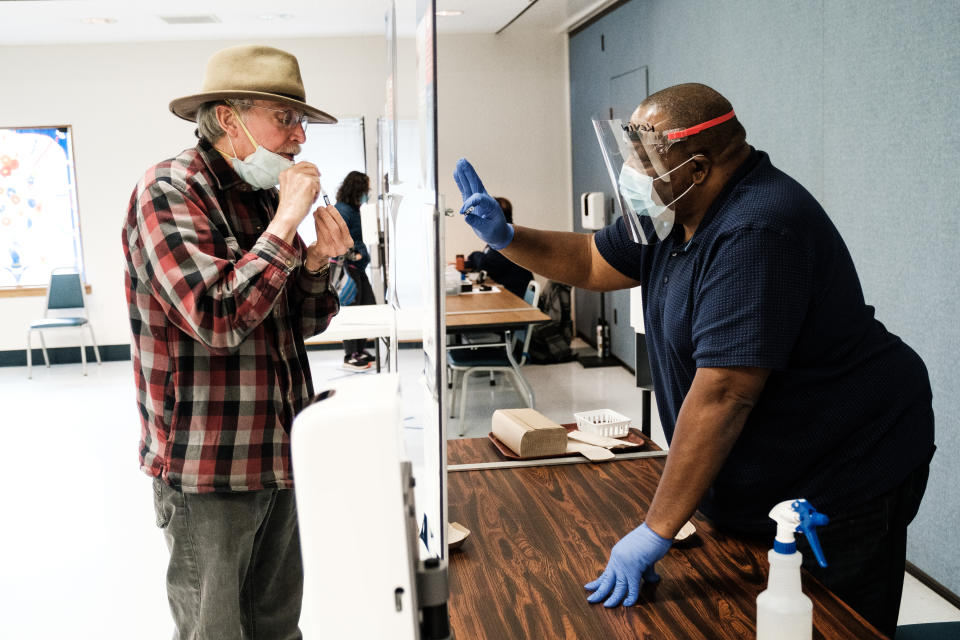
{"x":480,"y":310}
{"x":538,"y":534}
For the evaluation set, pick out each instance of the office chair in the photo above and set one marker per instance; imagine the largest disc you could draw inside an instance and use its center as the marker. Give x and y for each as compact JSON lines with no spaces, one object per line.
{"x":480,"y":338}
{"x":466,"y":360}
{"x":67,"y":302}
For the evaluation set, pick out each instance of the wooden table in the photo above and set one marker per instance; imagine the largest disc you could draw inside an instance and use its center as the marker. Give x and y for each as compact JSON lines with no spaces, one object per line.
{"x":501,"y":310}
{"x":371,"y":321}
{"x":376,"y":322}
{"x":538,"y":534}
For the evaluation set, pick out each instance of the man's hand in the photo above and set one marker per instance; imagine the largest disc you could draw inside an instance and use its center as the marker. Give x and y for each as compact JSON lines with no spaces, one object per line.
{"x":480,"y":210}
{"x":299,"y":189}
{"x":333,"y":238}
{"x":630,"y":560}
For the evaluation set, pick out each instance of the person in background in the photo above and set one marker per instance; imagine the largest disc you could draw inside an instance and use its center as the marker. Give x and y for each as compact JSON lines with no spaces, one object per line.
{"x":774,"y":380}
{"x":354,"y":191}
{"x":512,"y":276}
{"x":221,"y":292}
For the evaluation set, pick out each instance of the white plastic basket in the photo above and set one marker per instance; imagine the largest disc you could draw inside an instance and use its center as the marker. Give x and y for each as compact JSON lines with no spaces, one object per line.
{"x":604,"y":422}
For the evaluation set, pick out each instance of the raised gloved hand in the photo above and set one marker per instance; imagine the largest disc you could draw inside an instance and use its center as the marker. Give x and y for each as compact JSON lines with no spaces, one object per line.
{"x":480,"y":210}
{"x":630,"y":560}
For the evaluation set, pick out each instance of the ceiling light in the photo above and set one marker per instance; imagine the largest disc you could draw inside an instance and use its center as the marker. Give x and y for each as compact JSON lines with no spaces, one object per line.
{"x":98,"y":20}
{"x":446,"y":13}
{"x":201,"y":19}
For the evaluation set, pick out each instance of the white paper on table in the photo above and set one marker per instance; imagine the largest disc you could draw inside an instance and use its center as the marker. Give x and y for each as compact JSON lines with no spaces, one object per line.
{"x":493,"y":289}
{"x":598,"y":440}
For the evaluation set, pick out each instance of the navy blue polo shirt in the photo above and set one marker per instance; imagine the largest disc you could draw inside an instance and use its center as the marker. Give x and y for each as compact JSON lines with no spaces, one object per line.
{"x":767,"y":281}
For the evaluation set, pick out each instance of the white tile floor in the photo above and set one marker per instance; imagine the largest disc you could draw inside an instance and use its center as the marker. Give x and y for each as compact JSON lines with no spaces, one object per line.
{"x":80,"y":556}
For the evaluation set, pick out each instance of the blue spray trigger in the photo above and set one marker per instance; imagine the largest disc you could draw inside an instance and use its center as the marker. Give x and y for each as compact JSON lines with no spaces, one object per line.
{"x":810,"y":519}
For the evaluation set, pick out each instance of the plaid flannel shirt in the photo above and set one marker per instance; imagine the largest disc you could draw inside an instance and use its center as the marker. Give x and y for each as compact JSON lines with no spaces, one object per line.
{"x":219,"y":310}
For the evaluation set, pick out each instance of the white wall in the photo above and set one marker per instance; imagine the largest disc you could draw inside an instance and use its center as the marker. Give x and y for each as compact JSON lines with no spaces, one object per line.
{"x":502,"y":103}
{"x":115,"y":97}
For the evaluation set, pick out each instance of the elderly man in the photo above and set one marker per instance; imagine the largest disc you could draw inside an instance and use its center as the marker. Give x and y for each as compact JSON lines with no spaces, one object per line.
{"x":221,"y":293}
{"x":773,"y":379}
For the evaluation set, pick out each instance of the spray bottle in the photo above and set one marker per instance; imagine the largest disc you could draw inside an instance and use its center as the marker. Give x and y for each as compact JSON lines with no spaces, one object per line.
{"x":783,"y":611}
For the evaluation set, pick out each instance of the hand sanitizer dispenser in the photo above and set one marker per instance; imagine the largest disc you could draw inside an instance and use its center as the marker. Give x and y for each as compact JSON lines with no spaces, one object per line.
{"x":357,"y":519}
{"x":783,"y":611}
{"x":592,"y":210}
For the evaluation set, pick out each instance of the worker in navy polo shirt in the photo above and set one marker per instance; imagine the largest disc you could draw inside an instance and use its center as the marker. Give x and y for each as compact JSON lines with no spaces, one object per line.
{"x":773,"y":378}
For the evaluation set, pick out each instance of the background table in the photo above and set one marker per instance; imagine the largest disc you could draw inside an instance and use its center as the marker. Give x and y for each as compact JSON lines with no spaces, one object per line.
{"x":538,"y":534}
{"x":372,"y":321}
{"x":501,"y":310}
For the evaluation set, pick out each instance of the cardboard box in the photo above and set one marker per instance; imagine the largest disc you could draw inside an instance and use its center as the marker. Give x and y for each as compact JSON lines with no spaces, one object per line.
{"x":529,"y":433}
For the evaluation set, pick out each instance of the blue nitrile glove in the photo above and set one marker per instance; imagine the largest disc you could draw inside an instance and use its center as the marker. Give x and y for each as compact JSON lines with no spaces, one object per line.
{"x":480,"y":210}
{"x":630,"y":560}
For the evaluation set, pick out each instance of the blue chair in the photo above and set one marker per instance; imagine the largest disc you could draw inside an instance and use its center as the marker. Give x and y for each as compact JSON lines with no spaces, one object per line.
{"x":466,"y":360}
{"x":66,"y":308}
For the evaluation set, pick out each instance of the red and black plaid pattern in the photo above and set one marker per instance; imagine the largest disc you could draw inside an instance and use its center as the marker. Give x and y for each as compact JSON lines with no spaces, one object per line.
{"x":219,"y":310}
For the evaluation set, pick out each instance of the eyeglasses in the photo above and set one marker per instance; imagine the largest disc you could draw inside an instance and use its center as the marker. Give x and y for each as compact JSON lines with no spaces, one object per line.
{"x":663,"y":140}
{"x":286,"y":118}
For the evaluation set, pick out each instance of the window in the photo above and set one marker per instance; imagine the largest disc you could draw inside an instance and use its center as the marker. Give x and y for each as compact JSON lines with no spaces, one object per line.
{"x":39,"y":218}
{"x":336,"y":149}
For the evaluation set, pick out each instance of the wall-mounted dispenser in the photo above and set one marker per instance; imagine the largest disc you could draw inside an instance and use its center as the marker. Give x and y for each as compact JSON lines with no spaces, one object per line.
{"x":593,"y":211}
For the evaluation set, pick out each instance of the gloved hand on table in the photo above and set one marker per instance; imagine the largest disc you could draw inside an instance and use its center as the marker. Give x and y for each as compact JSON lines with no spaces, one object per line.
{"x":480,"y":210}
{"x":630,"y":560}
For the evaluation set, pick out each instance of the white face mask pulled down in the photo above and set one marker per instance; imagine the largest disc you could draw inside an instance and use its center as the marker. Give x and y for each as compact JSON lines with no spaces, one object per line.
{"x":261,"y":169}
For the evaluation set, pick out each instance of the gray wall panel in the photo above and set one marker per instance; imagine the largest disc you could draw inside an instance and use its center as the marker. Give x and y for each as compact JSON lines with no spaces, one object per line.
{"x":891,"y":184}
{"x":592,"y":65}
{"x":859,"y":102}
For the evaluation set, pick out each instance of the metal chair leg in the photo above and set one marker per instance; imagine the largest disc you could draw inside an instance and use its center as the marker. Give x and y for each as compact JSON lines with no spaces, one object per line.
{"x":43,"y":347}
{"x":96,"y":349}
{"x":83,"y":351}
{"x":524,"y":388}
{"x":29,"y":355}
{"x":465,"y":380}
{"x":452,"y":392}
{"x":515,"y":366}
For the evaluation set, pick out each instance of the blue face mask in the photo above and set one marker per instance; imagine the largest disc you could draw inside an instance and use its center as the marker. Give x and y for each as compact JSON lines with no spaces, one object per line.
{"x":637,"y":187}
{"x":364,"y":198}
{"x":640,"y":195}
{"x":261,"y":169}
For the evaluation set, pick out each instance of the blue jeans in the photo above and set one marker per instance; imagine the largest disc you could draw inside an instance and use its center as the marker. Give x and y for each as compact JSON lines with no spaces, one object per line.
{"x":866,"y":550}
{"x":235,"y":568}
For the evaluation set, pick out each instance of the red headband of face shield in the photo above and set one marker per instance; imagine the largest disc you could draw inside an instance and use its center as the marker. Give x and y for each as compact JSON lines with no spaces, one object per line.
{"x":663,"y":140}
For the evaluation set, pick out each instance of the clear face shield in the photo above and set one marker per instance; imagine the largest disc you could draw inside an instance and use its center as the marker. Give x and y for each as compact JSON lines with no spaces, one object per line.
{"x":634,"y":159}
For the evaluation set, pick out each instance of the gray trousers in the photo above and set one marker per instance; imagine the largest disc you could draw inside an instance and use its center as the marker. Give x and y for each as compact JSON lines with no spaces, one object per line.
{"x":235,"y":567}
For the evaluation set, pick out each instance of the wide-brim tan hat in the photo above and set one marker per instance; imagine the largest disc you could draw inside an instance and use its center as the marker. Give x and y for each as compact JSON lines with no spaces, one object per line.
{"x":251,"y":72}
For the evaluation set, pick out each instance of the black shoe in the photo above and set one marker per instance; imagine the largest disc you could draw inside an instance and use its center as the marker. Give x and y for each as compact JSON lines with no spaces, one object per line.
{"x":354,"y":362}
{"x":366,"y":357}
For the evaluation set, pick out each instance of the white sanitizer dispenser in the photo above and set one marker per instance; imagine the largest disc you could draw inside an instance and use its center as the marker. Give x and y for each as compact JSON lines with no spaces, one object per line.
{"x":783,"y":611}
{"x":593,"y":214}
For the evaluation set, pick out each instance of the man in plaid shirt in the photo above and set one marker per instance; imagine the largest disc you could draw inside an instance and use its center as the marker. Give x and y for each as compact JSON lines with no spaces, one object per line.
{"x":221,"y":293}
